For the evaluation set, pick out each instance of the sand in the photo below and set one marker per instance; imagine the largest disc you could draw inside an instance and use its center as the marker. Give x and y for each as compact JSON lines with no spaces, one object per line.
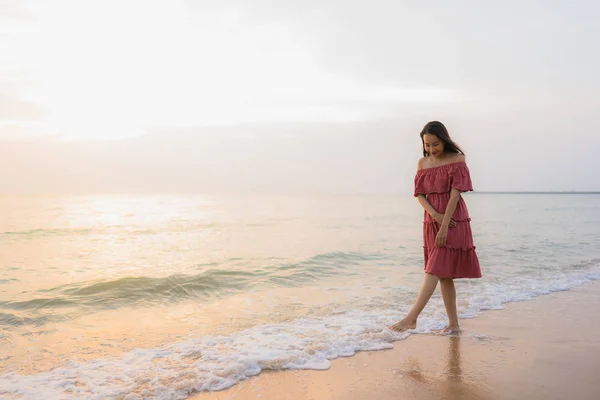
{"x":546,"y":348}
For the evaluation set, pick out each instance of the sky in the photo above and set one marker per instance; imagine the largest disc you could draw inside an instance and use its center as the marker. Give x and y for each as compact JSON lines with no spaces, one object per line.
{"x":154,"y":96}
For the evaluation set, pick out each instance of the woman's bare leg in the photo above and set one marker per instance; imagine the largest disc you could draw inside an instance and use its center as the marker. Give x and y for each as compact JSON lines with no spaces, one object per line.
{"x":427,"y":289}
{"x":449,"y":297}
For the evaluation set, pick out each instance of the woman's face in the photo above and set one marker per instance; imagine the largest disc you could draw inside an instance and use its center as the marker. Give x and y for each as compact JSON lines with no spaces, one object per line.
{"x":433,"y":145}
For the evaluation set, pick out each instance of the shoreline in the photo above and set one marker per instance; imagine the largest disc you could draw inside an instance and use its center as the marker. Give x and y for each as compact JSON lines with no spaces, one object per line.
{"x":544,"y":348}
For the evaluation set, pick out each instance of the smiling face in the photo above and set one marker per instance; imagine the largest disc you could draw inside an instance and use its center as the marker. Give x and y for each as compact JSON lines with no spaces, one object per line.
{"x":433,"y":145}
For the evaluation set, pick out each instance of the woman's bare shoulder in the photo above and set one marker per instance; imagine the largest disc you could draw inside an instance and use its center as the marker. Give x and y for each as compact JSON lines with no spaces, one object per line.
{"x":460,"y":157}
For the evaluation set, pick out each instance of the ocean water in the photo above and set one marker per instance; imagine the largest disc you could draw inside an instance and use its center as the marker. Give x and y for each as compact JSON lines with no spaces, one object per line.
{"x":159,"y":297}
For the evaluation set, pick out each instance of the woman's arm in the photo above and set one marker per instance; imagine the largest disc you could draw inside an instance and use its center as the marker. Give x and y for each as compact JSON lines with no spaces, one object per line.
{"x":442,"y":235}
{"x":427,"y":205}
{"x":433,"y":212}
{"x":451,"y":207}
{"x":454,"y":197}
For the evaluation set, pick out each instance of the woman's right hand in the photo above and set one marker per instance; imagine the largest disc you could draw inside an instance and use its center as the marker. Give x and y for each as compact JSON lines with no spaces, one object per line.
{"x":440,"y":217}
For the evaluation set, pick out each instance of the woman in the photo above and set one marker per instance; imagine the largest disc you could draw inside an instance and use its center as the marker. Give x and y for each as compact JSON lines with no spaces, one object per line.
{"x":442,"y":175}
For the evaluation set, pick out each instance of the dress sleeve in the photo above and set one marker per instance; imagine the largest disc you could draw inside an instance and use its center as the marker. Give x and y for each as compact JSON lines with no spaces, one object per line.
{"x":419,"y":185}
{"x":460,"y":178}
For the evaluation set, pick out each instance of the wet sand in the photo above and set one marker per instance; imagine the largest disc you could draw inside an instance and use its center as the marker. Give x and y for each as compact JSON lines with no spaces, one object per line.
{"x":546,"y":348}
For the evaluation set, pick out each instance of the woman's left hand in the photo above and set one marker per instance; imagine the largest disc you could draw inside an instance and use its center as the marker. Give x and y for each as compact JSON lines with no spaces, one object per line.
{"x":442,"y":235}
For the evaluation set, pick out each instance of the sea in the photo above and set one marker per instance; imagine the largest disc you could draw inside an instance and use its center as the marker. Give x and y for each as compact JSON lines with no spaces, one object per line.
{"x":161,"y":297}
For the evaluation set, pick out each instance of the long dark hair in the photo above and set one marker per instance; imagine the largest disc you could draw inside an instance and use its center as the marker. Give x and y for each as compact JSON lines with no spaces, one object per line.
{"x":438,"y":129}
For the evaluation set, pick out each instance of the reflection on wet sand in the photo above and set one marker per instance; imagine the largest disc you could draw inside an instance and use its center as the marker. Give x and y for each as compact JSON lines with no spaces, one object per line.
{"x":457,"y":385}
{"x":451,"y":383}
{"x":453,"y":361}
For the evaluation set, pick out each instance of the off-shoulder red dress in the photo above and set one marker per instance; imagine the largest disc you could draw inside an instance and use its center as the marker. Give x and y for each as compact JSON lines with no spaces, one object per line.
{"x":458,"y":258}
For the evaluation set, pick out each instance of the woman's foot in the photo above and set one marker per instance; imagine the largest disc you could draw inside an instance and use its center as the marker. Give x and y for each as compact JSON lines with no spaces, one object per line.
{"x":451,"y":328}
{"x":404,"y":325}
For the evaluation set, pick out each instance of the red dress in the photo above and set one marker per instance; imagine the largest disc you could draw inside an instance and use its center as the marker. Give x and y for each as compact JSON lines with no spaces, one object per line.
{"x":457,"y":259}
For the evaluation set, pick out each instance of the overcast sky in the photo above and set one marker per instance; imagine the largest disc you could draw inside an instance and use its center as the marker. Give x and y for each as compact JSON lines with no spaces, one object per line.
{"x":294,"y":95}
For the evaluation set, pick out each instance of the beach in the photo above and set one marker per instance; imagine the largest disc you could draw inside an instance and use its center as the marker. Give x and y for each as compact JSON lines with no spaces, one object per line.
{"x":545,"y":348}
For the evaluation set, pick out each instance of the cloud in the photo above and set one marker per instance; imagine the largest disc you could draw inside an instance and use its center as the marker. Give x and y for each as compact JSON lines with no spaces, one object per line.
{"x":213,"y":66}
{"x":12,"y":106}
{"x":12,"y":132}
{"x":13,"y":10}
{"x":512,"y":47}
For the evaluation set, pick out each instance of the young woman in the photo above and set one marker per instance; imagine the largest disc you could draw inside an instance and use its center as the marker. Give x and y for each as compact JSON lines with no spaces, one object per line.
{"x":442,"y":175}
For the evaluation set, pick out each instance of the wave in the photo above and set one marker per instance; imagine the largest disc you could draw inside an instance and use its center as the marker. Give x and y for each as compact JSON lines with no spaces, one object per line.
{"x":146,"y":291}
{"x":13,"y":320}
{"x":47,"y":232}
{"x":134,"y":290}
{"x":109,"y":229}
